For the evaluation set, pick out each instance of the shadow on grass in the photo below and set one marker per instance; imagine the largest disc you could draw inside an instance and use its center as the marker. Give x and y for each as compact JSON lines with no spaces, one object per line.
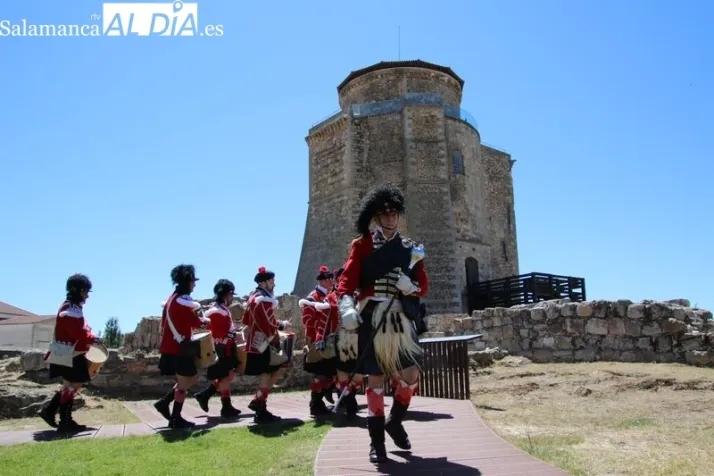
{"x":278,"y":428}
{"x":53,"y":435}
{"x":486,"y":407}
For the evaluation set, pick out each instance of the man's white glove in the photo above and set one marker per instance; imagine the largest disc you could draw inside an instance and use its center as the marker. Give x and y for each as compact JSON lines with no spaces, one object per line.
{"x":321,"y":306}
{"x":405,"y":285}
{"x":350,"y":316}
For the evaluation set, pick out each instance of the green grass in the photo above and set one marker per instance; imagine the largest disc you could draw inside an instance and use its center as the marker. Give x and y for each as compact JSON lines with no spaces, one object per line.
{"x":554,"y":449}
{"x":635,"y":423}
{"x":271,"y":450}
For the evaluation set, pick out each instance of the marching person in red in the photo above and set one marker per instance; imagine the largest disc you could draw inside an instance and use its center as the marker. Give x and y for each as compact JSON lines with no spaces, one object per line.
{"x":178,"y":357}
{"x":389,"y":302}
{"x":320,"y":318}
{"x":261,"y":333}
{"x":70,"y":328}
{"x":346,"y":363}
{"x":224,"y":333}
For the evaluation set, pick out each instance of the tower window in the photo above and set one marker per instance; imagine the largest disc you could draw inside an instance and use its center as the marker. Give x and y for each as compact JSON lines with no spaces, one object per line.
{"x":503,"y":251}
{"x":457,"y":163}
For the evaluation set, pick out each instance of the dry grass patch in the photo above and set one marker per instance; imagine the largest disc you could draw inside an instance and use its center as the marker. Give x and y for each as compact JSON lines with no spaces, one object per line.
{"x":603,"y":418}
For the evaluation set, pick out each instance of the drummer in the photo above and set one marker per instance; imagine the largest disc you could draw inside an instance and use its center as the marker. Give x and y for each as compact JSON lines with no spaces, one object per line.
{"x":321,"y":319}
{"x":224,"y":335}
{"x":347,"y":363}
{"x":70,"y":328}
{"x":261,"y":334}
{"x":178,"y":319}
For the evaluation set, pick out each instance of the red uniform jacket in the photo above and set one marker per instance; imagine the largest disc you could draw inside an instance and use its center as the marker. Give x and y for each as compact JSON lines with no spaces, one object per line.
{"x":70,"y":327}
{"x":259,"y":319}
{"x":222,"y":328}
{"x":319,"y":315}
{"x":182,"y":310}
{"x":349,"y":280}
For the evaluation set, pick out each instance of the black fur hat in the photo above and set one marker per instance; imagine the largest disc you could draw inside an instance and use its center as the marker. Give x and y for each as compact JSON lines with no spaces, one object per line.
{"x":324,"y":273}
{"x":183,"y":274}
{"x":78,"y":283}
{"x":383,"y":198}
{"x":223,"y":287}
{"x":338,"y":272}
{"x":263,"y":275}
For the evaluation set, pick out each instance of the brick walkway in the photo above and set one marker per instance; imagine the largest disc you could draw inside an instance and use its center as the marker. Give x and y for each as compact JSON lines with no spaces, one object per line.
{"x":448,"y":437}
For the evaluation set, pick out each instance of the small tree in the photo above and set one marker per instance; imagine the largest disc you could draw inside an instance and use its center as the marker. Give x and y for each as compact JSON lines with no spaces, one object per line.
{"x":112,"y":333}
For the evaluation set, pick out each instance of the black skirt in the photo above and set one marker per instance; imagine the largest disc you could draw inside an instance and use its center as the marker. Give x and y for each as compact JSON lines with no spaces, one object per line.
{"x":324,"y":367}
{"x":223,"y":367}
{"x":367,"y":363}
{"x":177,"y":365}
{"x":259,"y":364}
{"x":78,"y":373}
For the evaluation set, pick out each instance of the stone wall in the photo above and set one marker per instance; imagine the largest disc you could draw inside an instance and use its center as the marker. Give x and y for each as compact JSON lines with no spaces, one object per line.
{"x":137,"y":375}
{"x":387,"y":84}
{"x":499,"y":203}
{"x":561,"y":331}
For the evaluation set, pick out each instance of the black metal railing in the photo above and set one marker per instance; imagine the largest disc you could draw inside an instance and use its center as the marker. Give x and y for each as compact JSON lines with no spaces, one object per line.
{"x":525,"y":289}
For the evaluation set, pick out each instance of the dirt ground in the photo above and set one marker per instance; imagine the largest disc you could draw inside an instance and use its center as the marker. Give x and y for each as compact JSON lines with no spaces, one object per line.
{"x":603,"y":418}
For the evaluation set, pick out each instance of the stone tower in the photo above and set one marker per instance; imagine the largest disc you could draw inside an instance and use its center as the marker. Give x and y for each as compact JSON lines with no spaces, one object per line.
{"x":402,"y":122}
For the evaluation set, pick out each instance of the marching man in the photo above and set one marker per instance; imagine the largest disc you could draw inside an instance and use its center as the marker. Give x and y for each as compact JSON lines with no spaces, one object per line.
{"x":178,"y":319}
{"x":346,"y":362}
{"x":320,"y":318}
{"x":70,"y":328}
{"x":224,"y":335}
{"x":376,"y":265}
{"x":262,"y":339}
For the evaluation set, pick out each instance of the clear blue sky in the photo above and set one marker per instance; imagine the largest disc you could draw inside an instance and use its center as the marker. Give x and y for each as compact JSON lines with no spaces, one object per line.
{"x":122,"y":157}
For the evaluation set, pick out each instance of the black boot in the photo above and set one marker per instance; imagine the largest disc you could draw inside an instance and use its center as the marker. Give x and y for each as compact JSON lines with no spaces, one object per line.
{"x":204,"y":396}
{"x":262,"y":415}
{"x":177,"y":421}
{"x":50,"y":409}
{"x":66,"y":422}
{"x":395,"y":428}
{"x":228,"y":411}
{"x":377,"y":448}
{"x":327,"y":393}
{"x":350,"y":401}
{"x":317,"y":406}
{"x":162,"y":406}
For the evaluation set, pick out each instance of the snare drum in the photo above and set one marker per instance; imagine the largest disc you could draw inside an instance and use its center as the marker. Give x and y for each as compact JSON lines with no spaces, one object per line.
{"x":330,"y":351}
{"x":207,"y":350}
{"x":242,"y":354}
{"x":287,"y":341}
{"x":96,"y":356}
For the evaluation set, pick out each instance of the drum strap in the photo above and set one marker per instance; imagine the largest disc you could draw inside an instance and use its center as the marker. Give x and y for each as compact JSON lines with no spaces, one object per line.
{"x":177,"y":337}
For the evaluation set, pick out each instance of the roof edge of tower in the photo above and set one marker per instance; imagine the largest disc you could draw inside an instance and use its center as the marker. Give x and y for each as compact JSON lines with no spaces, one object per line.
{"x":400,"y":64}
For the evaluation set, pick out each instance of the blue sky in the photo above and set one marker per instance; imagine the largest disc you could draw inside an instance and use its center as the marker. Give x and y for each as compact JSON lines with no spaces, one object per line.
{"x":122,"y":157}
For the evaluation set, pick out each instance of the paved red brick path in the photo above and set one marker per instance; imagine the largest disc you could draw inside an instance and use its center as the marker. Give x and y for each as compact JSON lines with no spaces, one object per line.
{"x":448,"y":437}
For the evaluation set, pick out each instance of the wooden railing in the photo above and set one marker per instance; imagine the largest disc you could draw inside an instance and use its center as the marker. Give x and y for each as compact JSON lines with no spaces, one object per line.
{"x":445,"y":373}
{"x":445,"y":369}
{"x":524,"y":289}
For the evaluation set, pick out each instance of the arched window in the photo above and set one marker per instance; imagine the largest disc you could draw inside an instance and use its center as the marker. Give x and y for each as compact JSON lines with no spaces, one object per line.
{"x":457,"y":163}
